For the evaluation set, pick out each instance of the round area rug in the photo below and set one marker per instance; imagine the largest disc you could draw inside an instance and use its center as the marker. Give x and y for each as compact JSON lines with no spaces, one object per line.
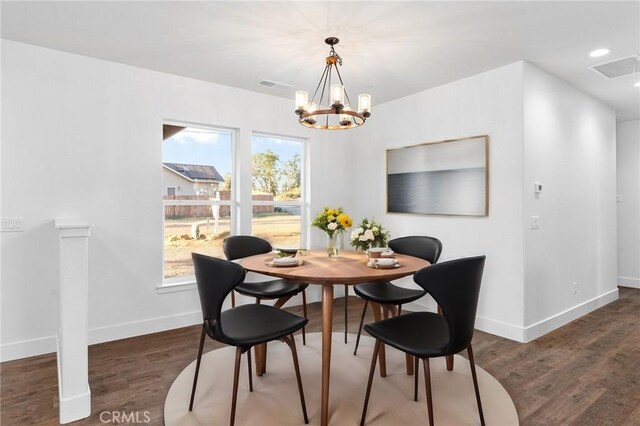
{"x":275,"y":401}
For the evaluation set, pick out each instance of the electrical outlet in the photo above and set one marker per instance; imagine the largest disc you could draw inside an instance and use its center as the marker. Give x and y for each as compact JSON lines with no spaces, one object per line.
{"x":12,"y":224}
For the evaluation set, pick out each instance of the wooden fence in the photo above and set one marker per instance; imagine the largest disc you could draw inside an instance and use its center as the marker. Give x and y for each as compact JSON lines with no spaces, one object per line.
{"x":186,"y":211}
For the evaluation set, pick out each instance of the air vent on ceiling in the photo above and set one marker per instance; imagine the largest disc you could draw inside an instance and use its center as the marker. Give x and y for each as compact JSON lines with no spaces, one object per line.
{"x":275,"y":84}
{"x":618,"y":68}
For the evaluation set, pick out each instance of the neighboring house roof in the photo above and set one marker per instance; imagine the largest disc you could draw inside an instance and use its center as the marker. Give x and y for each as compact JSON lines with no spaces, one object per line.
{"x":195,"y":172}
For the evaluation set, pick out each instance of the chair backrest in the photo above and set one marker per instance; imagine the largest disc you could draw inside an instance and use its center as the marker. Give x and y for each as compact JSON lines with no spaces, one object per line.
{"x":455,"y":286}
{"x":215,"y":279}
{"x":427,"y":248}
{"x":240,"y":246}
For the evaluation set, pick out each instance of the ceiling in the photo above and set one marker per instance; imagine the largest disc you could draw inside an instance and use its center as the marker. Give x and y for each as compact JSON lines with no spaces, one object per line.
{"x":390,"y":49}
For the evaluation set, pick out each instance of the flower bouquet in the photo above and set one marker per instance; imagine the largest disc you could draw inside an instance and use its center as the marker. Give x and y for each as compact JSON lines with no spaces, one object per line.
{"x":333,"y":222}
{"x":369,"y":234}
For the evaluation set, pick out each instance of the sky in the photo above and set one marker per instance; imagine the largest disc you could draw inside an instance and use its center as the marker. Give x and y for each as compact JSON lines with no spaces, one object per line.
{"x":208,"y":147}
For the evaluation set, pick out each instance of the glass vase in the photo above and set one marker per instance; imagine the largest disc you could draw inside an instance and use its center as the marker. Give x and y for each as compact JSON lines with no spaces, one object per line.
{"x":333,"y":244}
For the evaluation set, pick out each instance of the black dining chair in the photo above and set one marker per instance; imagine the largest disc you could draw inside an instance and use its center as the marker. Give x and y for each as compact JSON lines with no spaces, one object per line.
{"x":385,"y":293}
{"x":242,"y":327}
{"x":240,"y":246}
{"x":455,"y":286}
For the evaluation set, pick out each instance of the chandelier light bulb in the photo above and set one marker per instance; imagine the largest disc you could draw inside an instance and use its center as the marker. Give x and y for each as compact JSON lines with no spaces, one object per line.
{"x":337,"y":95}
{"x":302,"y":100}
{"x":364,"y":104}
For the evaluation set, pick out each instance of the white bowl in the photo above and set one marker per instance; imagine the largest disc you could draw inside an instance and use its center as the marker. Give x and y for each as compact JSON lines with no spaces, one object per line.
{"x":385,"y":262}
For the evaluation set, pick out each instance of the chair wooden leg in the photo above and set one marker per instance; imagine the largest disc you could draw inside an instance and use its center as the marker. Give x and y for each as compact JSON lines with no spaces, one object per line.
{"x":304,"y":312}
{"x":427,"y":384}
{"x":249,"y":365}
{"x":364,"y":312}
{"x":372,"y":371}
{"x":290,"y":341}
{"x":346,"y":314}
{"x":416,"y":369}
{"x":195,"y":376}
{"x":234,"y":396}
{"x":399,"y":310}
{"x":449,"y":358}
{"x":472,"y":364}
{"x":233,"y":299}
{"x":261,"y":353}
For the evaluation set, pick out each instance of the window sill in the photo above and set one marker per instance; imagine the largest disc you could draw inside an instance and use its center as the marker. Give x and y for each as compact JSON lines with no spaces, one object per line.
{"x":176,"y":286}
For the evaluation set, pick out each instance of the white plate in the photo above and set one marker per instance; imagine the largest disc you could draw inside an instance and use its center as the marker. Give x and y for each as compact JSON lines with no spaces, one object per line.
{"x":284,"y":265}
{"x":377,"y":249}
{"x":285,"y":261}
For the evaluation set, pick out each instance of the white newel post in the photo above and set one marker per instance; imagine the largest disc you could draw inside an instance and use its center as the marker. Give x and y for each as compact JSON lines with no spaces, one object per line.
{"x":73,"y":363}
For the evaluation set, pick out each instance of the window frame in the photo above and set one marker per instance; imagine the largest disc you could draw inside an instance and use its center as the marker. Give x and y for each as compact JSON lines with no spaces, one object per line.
{"x":188,"y":282}
{"x":302,"y":203}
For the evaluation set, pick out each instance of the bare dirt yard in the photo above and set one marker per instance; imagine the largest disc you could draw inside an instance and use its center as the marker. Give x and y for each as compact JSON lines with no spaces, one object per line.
{"x":282,"y":230}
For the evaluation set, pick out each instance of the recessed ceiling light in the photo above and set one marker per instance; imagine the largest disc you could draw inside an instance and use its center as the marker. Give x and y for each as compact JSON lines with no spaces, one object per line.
{"x":599,"y":52}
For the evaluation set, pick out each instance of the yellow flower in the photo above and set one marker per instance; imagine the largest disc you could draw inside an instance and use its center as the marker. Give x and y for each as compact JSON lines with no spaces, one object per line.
{"x":330,"y":212}
{"x":331,"y":218}
{"x":345,"y":220}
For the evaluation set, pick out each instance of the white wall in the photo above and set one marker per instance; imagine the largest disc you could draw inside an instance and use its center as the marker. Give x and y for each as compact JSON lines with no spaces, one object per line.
{"x":541,"y":129}
{"x":488,"y":103}
{"x":628,"y":155}
{"x":87,"y":128}
{"x":569,"y":147}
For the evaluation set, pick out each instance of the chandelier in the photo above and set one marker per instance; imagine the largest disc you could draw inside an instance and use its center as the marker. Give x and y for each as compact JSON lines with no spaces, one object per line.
{"x":332,"y":109}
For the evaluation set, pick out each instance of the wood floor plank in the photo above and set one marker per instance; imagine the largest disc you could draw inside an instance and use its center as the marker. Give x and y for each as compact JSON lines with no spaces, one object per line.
{"x":585,"y":373}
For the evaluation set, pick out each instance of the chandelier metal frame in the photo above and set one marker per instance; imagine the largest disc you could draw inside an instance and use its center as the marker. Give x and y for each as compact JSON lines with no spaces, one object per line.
{"x":337,"y":102}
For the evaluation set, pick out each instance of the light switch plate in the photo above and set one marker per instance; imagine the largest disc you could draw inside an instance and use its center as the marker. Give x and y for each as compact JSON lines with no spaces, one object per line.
{"x":535,"y":222}
{"x":12,"y":224}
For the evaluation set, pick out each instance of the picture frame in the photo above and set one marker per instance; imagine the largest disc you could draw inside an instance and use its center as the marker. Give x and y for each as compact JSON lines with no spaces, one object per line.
{"x":445,"y":178}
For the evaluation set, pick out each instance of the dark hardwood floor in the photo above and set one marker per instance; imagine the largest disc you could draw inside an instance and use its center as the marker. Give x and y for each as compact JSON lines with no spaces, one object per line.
{"x":585,"y":373}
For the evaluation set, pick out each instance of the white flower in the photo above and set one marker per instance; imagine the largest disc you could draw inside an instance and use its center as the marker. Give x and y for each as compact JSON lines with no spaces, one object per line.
{"x":332,"y":226}
{"x":362,"y":238}
{"x":368,"y":225}
{"x":375,"y":229}
{"x":368,"y":235}
{"x":358,"y":231}
{"x":354,"y":235}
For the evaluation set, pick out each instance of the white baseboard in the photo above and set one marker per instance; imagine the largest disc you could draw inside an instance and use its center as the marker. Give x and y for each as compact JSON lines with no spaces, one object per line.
{"x":147,"y":326}
{"x":27,"y":348}
{"x":500,"y":328}
{"x":556,"y":321}
{"x":44,"y":345}
{"x":529,"y":333}
{"x":629,"y":282}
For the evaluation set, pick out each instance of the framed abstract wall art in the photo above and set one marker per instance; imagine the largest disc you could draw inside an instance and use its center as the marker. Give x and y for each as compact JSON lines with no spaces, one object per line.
{"x":448,"y":177}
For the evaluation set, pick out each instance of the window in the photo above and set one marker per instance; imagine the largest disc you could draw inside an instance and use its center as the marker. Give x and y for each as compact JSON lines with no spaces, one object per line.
{"x":197,"y":165}
{"x":278,"y":190}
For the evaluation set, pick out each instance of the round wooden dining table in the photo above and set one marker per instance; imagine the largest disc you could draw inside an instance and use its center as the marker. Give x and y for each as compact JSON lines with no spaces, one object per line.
{"x":349,"y":268}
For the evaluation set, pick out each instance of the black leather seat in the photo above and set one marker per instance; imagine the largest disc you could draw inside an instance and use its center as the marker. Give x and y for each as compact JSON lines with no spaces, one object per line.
{"x":241,"y":246}
{"x":455,"y":286}
{"x":385,"y":293}
{"x":242,"y":327}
